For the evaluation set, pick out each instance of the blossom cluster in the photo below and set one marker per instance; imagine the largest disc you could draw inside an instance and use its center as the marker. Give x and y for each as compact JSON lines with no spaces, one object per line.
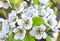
{"x":20,"y":20}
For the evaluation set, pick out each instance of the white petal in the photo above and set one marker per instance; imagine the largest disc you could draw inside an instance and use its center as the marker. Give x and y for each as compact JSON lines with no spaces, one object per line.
{"x":17,"y":36}
{"x":6,"y":5}
{"x":1,"y":4}
{"x":1,"y":20}
{"x":32,"y":33}
{"x":12,"y":24}
{"x":15,"y":30}
{"x":42,"y":27}
{"x":20,"y":22}
{"x":43,"y":35}
{"x":38,"y":36}
{"x":22,"y":37}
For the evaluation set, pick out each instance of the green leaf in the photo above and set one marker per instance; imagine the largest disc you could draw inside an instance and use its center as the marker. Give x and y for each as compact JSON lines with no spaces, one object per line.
{"x":1,"y":12}
{"x":48,"y":28}
{"x":28,"y":37}
{"x":37,"y":21}
{"x":50,"y":4}
{"x":55,"y":10}
{"x":54,"y":1}
{"x":35,"y":1}
{"x":48,"y":38}
{"x":15,"y":3}
{"x":10,"y":37}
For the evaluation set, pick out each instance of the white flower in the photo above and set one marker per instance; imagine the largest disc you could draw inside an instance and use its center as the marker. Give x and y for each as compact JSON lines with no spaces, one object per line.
{"x":51,"y":12}
{"x":5,"y":27}
{"x":43,"y":13}
{"x":1,"y":4}
{"x":44,"y":2}
{"x":21,"y":7}
{"x":26,"y":23}
{"x":1,"y":23}
{"x":20,"y":33}
{"x":30,"y":12}
{"x":2,"y":35}
{"x":50,"y":21}
{"x":38,"y":32}
{"x":12,"y":18}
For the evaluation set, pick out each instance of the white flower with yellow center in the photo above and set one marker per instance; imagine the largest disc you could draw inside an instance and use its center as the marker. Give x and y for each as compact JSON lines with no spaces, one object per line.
{"x":20,"y":33}
{"x":51,"y":21}
{"x":12,"y":18}
{"x":26,"y":23}
{"x":38,"y":32}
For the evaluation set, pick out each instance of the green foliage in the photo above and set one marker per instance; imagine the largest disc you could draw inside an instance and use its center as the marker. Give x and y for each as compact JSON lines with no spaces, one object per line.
{"x":15,"y":3}
{"x":48,"y":38}
{"x":48,"y":28}
{"x":50,"y":4}
{"x":28,"y":37}
{"x":1,"y":12}
{"x":54,"y":1}
{"x":10,"y":37}
{"x":55,"y":10}
{"x":37,"y":21}
{"x":35,"y":1}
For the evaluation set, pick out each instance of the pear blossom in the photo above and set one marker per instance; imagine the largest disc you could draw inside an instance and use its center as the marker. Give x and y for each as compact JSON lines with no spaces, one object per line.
{"x":26,"y":23}
{"x":12,"y":18}
{"x":44,"y":2}
{"x":38,"y":32}
{"x":30,"y":12}
{"x":43,"y":13}
{"x":21,"y":7}
{"x":51,"y":12}
{"x":20,"y":33}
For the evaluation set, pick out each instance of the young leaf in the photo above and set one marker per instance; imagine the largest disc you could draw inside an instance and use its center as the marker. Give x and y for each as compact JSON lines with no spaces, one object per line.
{"x":15,"y":3}
{"x":28,"y":37}
{"x":10,"y":37}
{"x":37,"y":21}
{"x":55,"y":10}
{"x":35,"y":1}
{"x":48,"y":38}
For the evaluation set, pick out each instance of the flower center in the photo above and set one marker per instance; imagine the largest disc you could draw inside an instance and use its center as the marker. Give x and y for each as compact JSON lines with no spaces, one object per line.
{"x":21,"y":31}
{"x":39,"y":31}
{"x":14,"y":19}
{"x":49,"y":22}
{"x":26,"y":22}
